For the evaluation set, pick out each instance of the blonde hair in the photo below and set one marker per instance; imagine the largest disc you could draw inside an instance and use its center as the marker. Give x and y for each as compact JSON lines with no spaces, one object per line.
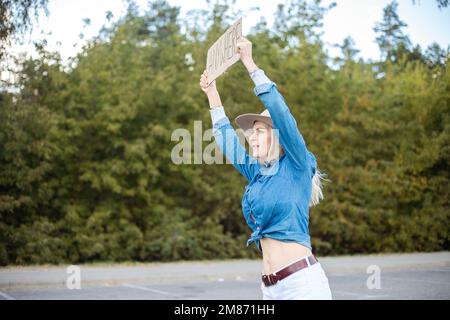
{"x":275,"y":150}
{"x":316,"y":193}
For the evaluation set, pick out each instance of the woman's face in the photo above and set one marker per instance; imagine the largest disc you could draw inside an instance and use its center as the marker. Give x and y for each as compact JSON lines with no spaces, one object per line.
{"x":260,"y":139}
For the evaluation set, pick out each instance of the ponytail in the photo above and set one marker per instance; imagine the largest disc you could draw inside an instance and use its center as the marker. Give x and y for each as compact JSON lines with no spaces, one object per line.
{"x":316,"y":193}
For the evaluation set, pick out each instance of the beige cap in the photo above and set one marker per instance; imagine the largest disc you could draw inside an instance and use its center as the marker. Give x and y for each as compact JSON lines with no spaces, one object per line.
{"x":245,"y":121}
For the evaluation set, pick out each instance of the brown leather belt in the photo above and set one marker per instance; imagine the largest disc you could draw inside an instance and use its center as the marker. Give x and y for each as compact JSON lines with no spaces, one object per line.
{"x":273,"y":278}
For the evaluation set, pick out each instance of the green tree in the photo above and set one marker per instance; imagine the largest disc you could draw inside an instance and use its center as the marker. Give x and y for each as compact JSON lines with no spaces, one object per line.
{"x":86,"y":171}
{"x":15,"y":18}
{"x":389,"y":32}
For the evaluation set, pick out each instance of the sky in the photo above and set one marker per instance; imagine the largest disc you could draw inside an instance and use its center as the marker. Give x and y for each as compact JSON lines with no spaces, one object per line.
{"x":355,"y":18}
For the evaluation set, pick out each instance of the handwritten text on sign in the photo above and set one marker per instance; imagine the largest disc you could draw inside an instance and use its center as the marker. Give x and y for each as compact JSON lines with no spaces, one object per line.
{"x":223,"y":53}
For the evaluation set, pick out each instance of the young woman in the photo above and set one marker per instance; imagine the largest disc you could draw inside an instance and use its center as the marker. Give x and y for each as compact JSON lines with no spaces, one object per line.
{"x":284,"y":182}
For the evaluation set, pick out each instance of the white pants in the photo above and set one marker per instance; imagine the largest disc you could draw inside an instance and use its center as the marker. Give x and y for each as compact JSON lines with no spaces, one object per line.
{"x":309,"y":283}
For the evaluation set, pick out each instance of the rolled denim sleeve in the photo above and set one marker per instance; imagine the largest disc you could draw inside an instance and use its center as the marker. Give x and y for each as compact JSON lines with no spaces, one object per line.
{"x":228,"y":143}
{"x":259,"y":77}
{"x":217,"y":113}
{"x":289,"y":135}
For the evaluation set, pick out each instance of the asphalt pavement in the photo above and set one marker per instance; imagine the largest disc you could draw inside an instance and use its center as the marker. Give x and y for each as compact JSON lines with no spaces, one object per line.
{"x":401,"y":276}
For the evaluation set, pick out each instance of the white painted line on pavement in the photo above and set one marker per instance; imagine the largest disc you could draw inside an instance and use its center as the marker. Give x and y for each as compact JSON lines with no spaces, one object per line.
{"x":359,"y":296}
{"x":413,"y":280}
{"x":368,"y":296}
{"x":6,"y":296}
{"x":151,"y":290}
{"x":426,"y":270}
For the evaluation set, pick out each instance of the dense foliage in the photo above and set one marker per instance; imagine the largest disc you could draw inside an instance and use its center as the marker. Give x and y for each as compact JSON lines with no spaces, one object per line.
{"x":85,"y":152}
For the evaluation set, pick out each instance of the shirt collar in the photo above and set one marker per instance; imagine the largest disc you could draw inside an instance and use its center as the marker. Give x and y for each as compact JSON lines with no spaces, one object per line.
{"x":270,"y":167}
{"x":268,"y":164}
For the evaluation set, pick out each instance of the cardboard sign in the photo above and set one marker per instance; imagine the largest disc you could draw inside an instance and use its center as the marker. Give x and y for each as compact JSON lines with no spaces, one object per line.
{"x":223,"y":53}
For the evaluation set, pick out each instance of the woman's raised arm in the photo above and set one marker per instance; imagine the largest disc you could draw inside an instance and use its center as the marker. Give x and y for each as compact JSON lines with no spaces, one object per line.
{"x":290,"y":137}
{"x":224,"y":134}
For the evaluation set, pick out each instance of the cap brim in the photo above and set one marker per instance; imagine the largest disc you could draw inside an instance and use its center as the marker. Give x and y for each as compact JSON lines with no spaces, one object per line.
{"x":246,"y":121}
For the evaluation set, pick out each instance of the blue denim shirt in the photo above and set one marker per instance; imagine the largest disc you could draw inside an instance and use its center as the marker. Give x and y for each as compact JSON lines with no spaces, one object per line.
{"x":276,"y":200}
